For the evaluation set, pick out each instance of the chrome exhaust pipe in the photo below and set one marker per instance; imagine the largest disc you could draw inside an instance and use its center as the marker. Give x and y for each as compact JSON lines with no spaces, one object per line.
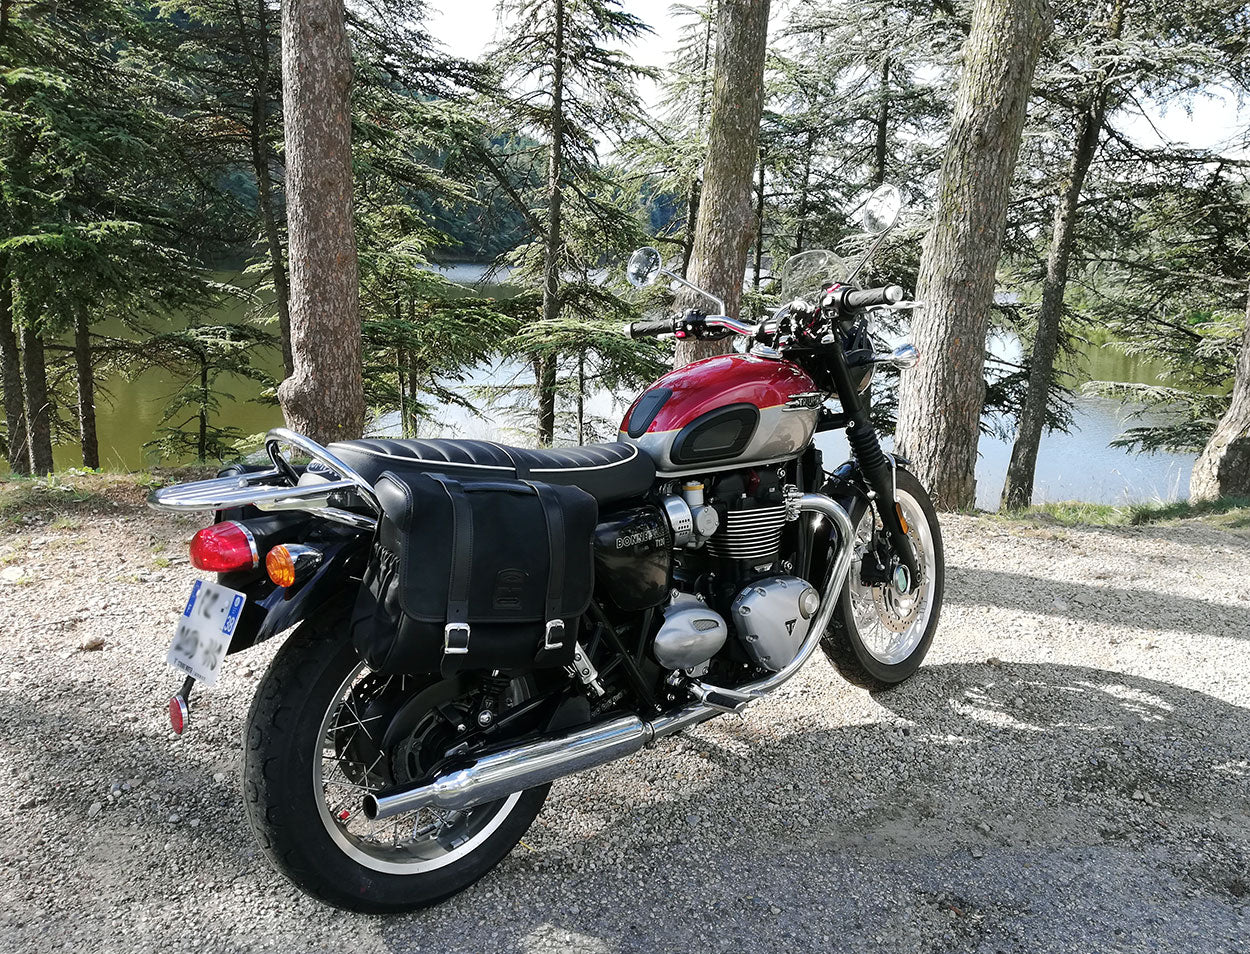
{"x":499,"y":774}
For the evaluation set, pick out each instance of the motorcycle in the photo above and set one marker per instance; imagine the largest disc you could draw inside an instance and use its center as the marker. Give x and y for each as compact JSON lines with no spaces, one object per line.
{"x":470,"y":622}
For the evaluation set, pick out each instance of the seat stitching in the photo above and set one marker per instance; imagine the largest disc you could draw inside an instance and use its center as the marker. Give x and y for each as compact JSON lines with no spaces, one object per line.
{"x":615,"y":463}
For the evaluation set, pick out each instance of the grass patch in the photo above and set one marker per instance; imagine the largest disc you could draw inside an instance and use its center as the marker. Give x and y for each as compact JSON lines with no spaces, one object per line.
{"x":1230,"y":513}
{"x":25,"y":499}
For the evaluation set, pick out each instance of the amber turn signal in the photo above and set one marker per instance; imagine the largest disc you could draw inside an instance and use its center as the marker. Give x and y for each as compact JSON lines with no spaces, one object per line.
{"x":290,"y":563}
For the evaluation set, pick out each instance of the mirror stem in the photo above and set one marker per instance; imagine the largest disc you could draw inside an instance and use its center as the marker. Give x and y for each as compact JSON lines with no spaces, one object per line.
{"x":694,"y":288}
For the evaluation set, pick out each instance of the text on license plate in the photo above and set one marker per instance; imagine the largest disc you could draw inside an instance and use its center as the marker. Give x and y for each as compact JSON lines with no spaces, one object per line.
{"x":204,"y":629}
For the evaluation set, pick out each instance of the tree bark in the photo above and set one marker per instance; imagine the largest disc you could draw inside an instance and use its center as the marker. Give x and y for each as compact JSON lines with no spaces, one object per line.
{"x":940,"y":402}
{"x":262,"y":160}
{"x":1223,"y":469}
{"x":324,"y":397}
{"x":553,"y":246}
{"x":86,"y":391}
{"x":883,"y":126}
{"x":1018,"y":488}
{"x":11,"y":378}
{"x":725,"y":225}
{"x":38,"y":408}
{"x":759,"y":223}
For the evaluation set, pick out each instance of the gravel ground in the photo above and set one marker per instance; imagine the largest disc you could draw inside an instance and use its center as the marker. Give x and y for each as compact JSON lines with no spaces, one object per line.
{"x":1069,"y":772}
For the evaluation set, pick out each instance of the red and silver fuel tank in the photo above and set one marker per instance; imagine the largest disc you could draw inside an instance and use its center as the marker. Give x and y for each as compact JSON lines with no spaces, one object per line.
{"x":727,"y":411}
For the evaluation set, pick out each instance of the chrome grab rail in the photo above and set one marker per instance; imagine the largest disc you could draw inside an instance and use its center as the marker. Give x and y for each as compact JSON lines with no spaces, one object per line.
{"x":261,"y":491}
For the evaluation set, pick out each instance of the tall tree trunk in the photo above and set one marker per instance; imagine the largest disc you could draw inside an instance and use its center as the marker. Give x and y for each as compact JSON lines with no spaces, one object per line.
{"x":86,"y":390}
{"x":203,"y":436}
{"x":1223,"y":469}
{"x":545,"y":383}
{"x":11,"y":378}
{"x":1018,"y":488}
{"x":324,"y":396}
{"x":805,"y":184}
{"x":262,"y":163}
{"x":38,"y":407}
{"x":692,"y":218}
{"x":553,"y":247}
{"x":759,"y":223}
{"x":581,"y":397}
{"x":883,"y":126}
{"x":692,"y":199}
{"x":940,"y":402}
{"x":723,"y":232}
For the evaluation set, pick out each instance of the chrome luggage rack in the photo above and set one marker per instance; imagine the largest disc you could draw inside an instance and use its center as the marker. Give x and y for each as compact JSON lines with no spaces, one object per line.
{"x":276,"y":489}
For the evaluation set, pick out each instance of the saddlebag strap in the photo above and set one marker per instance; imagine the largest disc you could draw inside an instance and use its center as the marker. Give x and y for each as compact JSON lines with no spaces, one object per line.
{"x":456,"y":632}
{"x":553,"y":633}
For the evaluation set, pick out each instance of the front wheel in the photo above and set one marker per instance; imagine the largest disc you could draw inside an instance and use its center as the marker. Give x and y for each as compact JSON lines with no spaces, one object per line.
{"x":879,"y":635}
{"x":323,"y":731}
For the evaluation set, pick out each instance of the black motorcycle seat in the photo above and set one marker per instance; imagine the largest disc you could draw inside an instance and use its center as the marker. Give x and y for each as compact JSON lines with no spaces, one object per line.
{"x":607,"y":472}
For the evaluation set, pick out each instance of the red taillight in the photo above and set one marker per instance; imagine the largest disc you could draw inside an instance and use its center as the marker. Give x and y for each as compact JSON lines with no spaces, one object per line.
{"x":224,"y":547}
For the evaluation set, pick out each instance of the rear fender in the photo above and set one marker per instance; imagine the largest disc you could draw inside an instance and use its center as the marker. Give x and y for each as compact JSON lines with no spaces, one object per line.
{"x":273,"y":609}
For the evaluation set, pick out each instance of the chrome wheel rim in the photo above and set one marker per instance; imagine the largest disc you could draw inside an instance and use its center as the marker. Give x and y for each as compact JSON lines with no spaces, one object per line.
{"x":891,"y":624}
{"x":408,"y":843}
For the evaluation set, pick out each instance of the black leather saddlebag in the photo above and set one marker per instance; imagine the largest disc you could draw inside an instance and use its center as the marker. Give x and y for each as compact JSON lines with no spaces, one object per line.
{"x":475,"y":574}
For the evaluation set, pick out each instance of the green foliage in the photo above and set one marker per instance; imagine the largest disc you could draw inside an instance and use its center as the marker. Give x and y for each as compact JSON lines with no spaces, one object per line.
{"x":200,"y":355}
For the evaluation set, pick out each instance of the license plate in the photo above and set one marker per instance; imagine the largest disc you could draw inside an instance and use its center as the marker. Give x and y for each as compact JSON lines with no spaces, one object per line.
{"x":204,"y":631}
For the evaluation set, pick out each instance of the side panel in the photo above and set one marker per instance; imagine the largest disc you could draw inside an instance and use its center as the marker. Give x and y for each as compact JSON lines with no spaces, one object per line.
{"x":633,"y":557}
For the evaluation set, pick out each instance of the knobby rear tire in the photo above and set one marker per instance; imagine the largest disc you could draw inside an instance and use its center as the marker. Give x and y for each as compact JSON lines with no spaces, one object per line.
{"x":281,"y":741}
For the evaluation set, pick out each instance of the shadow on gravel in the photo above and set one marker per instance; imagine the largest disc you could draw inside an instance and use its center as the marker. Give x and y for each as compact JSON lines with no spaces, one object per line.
{"x":1144,"y":608}
{"x":1016,"y":808}
{"x":1019,"y":807}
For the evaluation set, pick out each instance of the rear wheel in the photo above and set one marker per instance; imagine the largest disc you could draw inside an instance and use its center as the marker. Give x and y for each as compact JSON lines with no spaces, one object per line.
{"x":879,"y":635}
{"x":323,"y":731}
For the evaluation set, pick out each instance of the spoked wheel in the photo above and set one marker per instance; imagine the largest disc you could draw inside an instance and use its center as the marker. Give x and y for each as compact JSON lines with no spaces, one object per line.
{"x":324,"y":731}
{"x":880,"y":630}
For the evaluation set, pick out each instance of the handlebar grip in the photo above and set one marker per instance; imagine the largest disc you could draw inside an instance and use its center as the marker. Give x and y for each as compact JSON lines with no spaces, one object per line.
{"x":649,"y":329}
{"x":870,"y":297}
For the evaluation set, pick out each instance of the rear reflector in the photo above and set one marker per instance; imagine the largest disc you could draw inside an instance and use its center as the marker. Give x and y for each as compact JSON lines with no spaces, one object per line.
{"x":178,"y":714}
{"x":224,"y":547}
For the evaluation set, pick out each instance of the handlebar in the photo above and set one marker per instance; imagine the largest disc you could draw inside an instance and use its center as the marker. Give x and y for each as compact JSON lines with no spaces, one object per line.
{"x":650,"y":329}
{"x":691,"y":324}
{"x":871,"y":297}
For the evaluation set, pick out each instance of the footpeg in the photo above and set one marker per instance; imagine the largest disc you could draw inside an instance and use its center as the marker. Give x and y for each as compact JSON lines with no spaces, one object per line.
{"x":717,"y":699}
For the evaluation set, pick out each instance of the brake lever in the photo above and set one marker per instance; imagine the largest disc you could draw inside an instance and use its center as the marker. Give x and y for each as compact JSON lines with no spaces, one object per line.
{"x":901,"y":306}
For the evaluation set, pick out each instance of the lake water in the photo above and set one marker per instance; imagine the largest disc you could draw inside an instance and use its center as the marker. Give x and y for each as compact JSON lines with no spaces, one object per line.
{"x":1080,"y":465}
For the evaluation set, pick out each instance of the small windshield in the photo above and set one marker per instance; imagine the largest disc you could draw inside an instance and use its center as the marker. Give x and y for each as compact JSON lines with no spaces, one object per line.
{"x":807,"y":274}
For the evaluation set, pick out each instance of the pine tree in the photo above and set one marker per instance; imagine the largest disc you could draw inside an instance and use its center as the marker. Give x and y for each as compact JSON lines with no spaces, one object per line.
{"x":576,"y":85}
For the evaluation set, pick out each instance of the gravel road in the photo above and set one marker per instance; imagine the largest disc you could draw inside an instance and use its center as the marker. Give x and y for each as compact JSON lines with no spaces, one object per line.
{"x":1070,"y":771}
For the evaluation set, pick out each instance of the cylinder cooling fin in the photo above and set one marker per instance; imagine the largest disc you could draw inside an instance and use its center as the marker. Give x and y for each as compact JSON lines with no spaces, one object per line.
{"x":749,"y":534}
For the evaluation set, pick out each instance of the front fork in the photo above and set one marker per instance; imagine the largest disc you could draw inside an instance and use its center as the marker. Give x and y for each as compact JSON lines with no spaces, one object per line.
{"x":878,"y":470}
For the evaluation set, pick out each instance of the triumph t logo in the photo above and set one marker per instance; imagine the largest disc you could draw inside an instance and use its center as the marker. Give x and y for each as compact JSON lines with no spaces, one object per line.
{"x":790,"y":625}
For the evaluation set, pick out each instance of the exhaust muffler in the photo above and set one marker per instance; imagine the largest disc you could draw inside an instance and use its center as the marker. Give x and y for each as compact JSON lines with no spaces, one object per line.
{"x":499,"y":774}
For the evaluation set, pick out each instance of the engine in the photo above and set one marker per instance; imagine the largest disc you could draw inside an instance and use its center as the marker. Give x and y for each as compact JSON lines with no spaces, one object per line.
{"x":734,"y":573}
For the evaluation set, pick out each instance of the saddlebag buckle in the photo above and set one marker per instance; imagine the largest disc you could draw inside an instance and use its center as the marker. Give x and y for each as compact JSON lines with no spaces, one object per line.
{"x":456,"y":639}
{"x":554,"y":636}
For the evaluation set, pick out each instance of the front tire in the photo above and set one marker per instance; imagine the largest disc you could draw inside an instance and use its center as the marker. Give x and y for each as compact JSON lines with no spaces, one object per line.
{"x":878,"y":636}
{"x":305,"y":773}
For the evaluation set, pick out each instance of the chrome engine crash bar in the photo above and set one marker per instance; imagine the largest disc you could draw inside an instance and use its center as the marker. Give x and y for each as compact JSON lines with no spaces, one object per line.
{"x":499,"y":774}
{"x":272,"y":490}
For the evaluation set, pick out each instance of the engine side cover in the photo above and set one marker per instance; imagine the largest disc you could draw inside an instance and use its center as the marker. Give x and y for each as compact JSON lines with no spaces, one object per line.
{"x":690,"y":635}
{"x":772,"y":617}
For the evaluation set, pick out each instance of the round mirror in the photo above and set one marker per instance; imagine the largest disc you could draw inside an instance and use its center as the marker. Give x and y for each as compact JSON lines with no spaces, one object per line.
{"x":880,"y":211}
{"x":644,"y":267}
